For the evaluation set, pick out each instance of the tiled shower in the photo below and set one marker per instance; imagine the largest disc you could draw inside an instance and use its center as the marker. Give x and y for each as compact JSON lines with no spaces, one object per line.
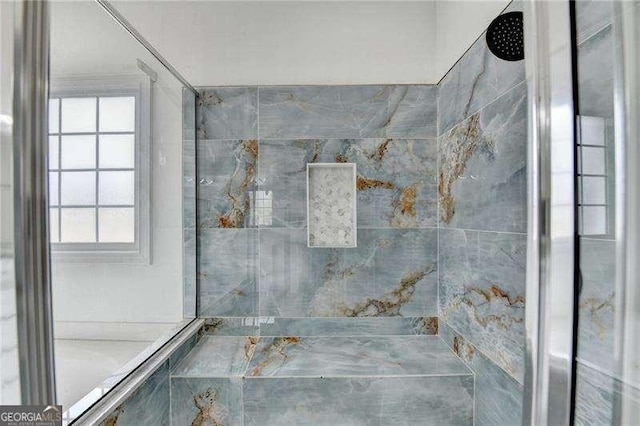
{"x":422,"y":322}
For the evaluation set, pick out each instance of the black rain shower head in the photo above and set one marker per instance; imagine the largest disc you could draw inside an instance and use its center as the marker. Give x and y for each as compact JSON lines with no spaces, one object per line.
{"x":505,"y":36}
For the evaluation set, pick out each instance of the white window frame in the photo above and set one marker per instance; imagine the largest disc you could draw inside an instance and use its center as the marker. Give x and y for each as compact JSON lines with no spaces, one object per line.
{"x":138,"y":252}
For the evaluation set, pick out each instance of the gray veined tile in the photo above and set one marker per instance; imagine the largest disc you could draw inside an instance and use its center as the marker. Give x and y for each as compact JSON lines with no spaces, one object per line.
{"x":228,"y":272}
{"x":226,"y":176}
{"x":359,"y":326}
{"x":483,"y":168}
{"x":592,"y":16}
{"x":228,"y":113}
{"x":353,"y":356}
{"x":413,"y":111}
{"x":597,"y":303}
{"x":482,"y":292}
{"x":476,"y":80}
{"x":390,"y":273}
{"x":297,"y":112}
{"x":359,"y":401}
{"x":217,"y":356}
{"x":188,"y":114}
{"x":183,"y":350}
{"x":396,"y":179}
{"x":206,"y":401}
{"x":147,"y":406}
{"x":247,"y":326}
{"x":595,"y":66}
{"x":599,"y":396}
{"x":498,"y":396}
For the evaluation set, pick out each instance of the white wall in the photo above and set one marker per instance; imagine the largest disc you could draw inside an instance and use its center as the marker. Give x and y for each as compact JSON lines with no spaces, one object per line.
{"x":459,"y":23}
{"x":274,"y":42}
{"x":311,"y":42}
{"x":85,"y":41}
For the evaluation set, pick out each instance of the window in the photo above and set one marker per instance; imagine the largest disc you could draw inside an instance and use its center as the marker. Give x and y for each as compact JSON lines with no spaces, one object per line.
{"x":99,"y":144}
{"x":594,"y":197}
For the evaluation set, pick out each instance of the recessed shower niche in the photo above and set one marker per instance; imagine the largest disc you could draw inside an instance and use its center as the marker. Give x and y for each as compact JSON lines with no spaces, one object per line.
{"x":331,"y":205}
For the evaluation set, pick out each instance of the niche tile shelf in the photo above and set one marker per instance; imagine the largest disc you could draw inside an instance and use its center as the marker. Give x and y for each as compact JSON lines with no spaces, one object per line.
{"x":331,"y":205}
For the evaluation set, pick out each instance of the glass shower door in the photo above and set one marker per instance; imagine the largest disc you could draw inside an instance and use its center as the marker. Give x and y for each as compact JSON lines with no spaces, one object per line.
{"x":607,"y":364}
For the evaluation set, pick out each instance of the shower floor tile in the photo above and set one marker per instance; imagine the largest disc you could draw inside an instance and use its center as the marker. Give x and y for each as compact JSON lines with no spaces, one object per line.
{"x":353,"y":356}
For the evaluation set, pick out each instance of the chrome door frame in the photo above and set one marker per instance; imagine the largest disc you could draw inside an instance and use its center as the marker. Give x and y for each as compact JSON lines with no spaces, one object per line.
{"x":32,"y":266}
{"x":549,"y":317}
{"x":626,"y":24}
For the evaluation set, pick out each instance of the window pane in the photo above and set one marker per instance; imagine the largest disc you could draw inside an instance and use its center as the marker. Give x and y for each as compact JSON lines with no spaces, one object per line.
{"x":116,"y":225}
{"x":592,"y":130}
{"x":594,"y":220}
{"x":118,"y":114}
{"x":78,"y":152}
{"x":593,"y":190}
{"x":53,"y":189}
{"x":53,"y":225}
{"x":117,"y":151}
{"x":78,"y":188}
{"x":593,"y":161}
{"x":53,"y":152}
{"x":54,"y":111}
{"x":78,"y":225}
{"x":78,"y":115}
{"x":116,"y":188}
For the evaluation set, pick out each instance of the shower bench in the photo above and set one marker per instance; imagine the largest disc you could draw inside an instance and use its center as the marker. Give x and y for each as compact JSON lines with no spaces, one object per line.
{"x":390,"y":380}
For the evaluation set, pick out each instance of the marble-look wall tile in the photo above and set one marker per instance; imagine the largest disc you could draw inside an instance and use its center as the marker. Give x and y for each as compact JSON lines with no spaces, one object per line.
{"x":183,"y":350}
{"x":299,"y":112}
{"x":217,"y":356}
{"x":189,"y":183}
{"x":368,"y":326}
{"x":596,"y":397}
{"x":324,"y":111}
{"x":149,"y":404}
{"x":189,"y":202}
{"x":359,"y":401}
{"x":353,"y":356}
{"x":475,"y":80}
{"x":390,"y":273}
{"x":597,"y":303}
{"x":189,"y":272}
{"x":247,"y":326}
{"x":482,"y":292}
{"x":189,"y":102}
{"x":482,"y":177}
{"x":413,"y":112}
{"x":228,"y":113}
{"x":226,"y":177}
{"x":331,"y":205}
{"x":595,"y":74}
{"x":592,"y":16}
{"x":498,"y":397}
{"x":228,"y":272}
{"x":206,"y":401}
{"x":396,"y":182}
